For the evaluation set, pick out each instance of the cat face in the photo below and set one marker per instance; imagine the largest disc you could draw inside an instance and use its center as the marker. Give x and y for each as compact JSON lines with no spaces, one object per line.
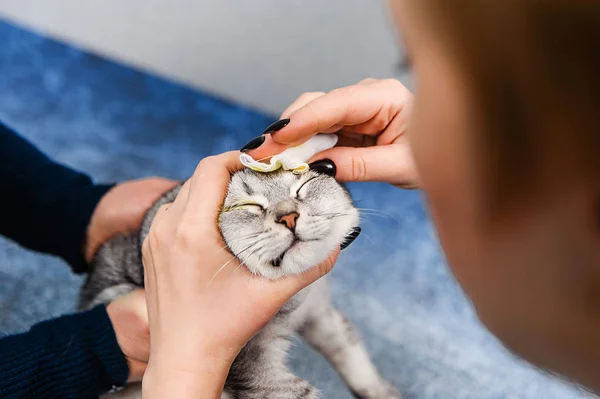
{"x":280,"y":223}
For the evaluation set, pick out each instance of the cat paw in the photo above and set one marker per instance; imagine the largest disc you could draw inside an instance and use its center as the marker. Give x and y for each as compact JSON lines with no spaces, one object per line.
{"x":383,"y":391}
{"x":300,"y":389}
{"x":305,"y":391}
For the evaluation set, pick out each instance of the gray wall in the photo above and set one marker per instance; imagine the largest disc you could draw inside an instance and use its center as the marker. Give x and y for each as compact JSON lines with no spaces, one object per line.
{"x":260,"y":52}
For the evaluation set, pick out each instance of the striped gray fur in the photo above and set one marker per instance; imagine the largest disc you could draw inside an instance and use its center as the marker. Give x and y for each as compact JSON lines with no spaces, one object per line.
{"x":326,"y":215}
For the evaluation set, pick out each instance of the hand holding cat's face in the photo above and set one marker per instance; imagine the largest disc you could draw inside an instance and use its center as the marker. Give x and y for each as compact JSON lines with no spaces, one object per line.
{"x":203,"y":306}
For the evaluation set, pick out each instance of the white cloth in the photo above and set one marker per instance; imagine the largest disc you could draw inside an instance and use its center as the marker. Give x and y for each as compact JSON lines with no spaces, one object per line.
{"x":294,"y":158}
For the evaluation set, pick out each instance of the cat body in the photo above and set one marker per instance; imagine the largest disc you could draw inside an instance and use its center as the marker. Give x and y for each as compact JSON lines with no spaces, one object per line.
{"x":277,"y":224}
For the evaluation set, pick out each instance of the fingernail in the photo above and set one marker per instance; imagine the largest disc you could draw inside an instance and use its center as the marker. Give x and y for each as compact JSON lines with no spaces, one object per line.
{"x":253,"y":144}
{"x":350,"y":237}
{"x":324,"y":166}
{"x":273,"y":127}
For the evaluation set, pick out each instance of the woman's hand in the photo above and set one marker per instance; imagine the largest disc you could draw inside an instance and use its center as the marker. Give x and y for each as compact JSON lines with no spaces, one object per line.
{"x":203,"y":305}
{"x":122,"y":209}
{"x":371,"y":119}
{"x":129,"y":318}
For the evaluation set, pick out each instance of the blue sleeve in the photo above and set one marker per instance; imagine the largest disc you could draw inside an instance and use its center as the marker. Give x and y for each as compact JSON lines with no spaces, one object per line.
{"x":75,"y":356}
{"x":44,"y":206}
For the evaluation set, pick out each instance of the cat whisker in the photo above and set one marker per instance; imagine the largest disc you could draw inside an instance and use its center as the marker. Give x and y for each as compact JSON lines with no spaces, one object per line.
{"x":368,"y":238}
{"x":332,"y":215}
{"x":377,"y":211}
{"x":378,"y":214}
{"x":335,"y":207}
{"x":361,"y":214}
{"x":362,"y":210}
{"x":238,"y":268}
{"x":381,"y":216}
{"x":229,"y":261}
{"x":237,"y":239}
{"x":219,"y":271}
{"x":254,"y":252}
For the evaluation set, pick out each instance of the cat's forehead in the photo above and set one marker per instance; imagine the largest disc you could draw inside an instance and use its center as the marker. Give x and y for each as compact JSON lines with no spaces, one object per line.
{"x":266,"y":184}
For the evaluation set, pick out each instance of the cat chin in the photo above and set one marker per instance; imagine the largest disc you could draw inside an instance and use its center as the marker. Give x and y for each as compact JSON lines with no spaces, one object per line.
{"x":305,"y":255}
{"x":297,"y":260}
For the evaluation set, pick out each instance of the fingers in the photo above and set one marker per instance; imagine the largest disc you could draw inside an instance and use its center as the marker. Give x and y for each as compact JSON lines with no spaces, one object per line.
{"x":269,"y":148}
{"x":366,"y":108}
{"x":175,"y":208}
{"x":301,"y":102}
{"x":209,"y":182}
{"x":293,"y":284}
{"x":205,"y":190}
{"x":159,"y":183}
{"x":138,"y":302}
{"x":349,"y":106}
{"x":368,"y":81}
{"x":196,"y":207}
{"x":392,"y":163}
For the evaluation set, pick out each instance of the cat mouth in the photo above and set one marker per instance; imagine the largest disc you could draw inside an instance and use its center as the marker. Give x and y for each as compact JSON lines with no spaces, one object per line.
{"x":277,"y":261}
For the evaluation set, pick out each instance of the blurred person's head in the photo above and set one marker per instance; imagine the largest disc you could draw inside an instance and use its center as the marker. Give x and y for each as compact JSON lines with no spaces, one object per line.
{"x":505,"y":134}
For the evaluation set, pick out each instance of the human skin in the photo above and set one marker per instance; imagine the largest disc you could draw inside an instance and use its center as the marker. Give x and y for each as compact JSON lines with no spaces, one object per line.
{"x":121,"y":211}
{"x":236,"y":305}
{"x":371,"y":119}
{"x":203,"y":307}
{"x":532,"y":274}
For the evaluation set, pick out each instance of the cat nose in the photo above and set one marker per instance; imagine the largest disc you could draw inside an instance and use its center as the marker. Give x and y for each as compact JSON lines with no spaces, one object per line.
{"x":288,"y":219}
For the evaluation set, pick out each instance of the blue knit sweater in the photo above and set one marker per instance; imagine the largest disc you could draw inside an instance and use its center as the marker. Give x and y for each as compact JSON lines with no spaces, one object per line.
{"x":46,"y":207}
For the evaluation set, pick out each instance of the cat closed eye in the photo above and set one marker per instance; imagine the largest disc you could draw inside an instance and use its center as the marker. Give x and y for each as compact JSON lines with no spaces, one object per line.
{"x":243,"y":206}
{"x":303,"y":186}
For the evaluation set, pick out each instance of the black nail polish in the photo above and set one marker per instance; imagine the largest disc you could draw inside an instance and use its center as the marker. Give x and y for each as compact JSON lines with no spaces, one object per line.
{"x":350,"y":237}
{"x":253,"y":144}
{"x":324,"y":166}
{"x":273,"y":127}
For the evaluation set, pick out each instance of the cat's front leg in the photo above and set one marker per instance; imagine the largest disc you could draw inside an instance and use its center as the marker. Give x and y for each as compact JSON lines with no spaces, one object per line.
{"x":330,"y":333}
{"x":259,"y":372}
{"x":293,"y":390}
{"x":290,"y":387}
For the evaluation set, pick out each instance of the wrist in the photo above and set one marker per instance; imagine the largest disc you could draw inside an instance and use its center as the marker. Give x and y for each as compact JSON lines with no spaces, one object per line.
{"x":205,"y":382}
{"x":93,"y":238}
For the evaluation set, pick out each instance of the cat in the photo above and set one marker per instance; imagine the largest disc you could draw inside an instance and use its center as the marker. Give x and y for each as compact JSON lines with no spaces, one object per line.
{"x":277,"y":224}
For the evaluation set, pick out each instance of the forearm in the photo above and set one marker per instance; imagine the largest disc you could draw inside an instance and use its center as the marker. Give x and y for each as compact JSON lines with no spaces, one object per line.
{"x":45,"y":206}
{"x":72,"y":356}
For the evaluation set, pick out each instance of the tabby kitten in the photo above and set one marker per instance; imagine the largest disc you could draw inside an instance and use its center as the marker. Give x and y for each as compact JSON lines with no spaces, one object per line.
{"x":277,"y":224}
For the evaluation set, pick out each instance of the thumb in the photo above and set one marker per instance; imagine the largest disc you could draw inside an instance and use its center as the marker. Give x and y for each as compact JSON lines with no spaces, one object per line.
{"x":391,"y":164}
{"x":294,"y":284}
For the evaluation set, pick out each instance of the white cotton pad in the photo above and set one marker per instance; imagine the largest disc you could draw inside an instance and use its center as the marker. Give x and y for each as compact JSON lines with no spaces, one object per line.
{"x":294,"y":158}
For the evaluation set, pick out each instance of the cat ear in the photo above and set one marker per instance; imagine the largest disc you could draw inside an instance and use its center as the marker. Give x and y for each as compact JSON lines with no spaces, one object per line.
{"x":350,"y":237}
{"x":324,"y":166}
